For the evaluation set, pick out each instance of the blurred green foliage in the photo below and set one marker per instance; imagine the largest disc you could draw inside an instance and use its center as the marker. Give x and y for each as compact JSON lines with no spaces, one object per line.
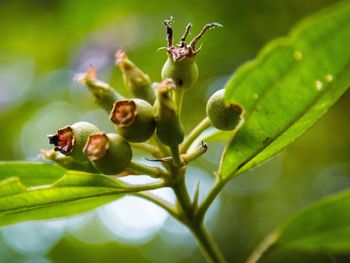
{"x":44,"y":43}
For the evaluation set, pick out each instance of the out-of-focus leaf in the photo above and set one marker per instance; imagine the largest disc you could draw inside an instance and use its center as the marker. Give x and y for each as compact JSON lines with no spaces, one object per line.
{"x":31,"y":174}
{"x":74,"y":193}
{"x":291,"y":84}
{"x":325,"y":226}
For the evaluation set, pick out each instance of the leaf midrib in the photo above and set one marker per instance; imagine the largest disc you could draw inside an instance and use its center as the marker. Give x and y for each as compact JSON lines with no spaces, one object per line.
{"x":319,"y":95}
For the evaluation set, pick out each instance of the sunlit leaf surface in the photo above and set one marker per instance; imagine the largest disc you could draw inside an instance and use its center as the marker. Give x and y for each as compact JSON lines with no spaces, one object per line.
{"x":291,"y":84}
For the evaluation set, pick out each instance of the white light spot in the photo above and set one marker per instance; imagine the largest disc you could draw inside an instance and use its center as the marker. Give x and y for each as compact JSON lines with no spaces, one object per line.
{"x":33,"y":237}
{"x":298,"y":55}
{"x":133,"y":219}
{"x":329,"y":78}
{"x":318,"y":85}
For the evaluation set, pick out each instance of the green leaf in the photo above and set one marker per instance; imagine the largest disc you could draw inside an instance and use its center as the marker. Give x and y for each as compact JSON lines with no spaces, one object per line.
{"x":291,"y":84}
{"x":31,"y":174}
{"x":215,"y":135}
{"x":323,"y":227}
{"x":11,"y":186}
{"x":74,"y":193}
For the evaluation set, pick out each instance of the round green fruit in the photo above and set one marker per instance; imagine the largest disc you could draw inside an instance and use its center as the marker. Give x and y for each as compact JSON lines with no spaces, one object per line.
{"x":183,"y":72}
{"x":223,"y":116}
{"x":109,"y":153}
{"x":70,"y":140}
{"x":134,"y":119}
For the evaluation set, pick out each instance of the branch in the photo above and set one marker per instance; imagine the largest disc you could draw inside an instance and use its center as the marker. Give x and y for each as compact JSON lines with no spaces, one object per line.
{"x":209,"y":199}
{"x":204,"y":124}
{"x":160,"y":202}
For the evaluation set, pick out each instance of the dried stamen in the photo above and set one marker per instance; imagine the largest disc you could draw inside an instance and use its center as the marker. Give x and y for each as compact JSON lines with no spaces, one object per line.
{"x":96,"y":146}
{"x":124,"y":113}
{"x":169,"y":31}
{"x":184,"y":36}
{"x":206,"y":28}
{"x":63,"y":140}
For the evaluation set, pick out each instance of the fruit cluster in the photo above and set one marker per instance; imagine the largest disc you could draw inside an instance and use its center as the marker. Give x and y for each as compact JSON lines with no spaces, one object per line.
{"x":149,"y":121}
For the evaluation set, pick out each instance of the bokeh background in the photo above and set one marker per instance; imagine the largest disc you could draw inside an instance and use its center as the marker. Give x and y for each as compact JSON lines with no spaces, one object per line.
{"x":45,"y":43}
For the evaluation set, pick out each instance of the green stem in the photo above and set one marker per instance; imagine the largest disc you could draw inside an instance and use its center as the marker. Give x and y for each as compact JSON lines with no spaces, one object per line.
{"x":147,"y":170}
{"x":178,"y":98}
{"x":160,"y":202}
{"x":176,"y":156}
{"x":147,"y":148}
{"x":209,"y":199}
{"x":183,"y":198}
{"x":193,"y":155}
{"x":204,"y":124}
{"x":264,"y":246}
{"x":164,"y":150}
{"x":134,"y":189}
{"x":207,"y":244}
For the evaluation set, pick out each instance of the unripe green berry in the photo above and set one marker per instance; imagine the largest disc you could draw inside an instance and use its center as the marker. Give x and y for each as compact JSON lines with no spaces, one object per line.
{"x":70,"y":140}
{"x":134,"y":119}
{"x":181,"y":65}
{"x":169,"y":128}
{"x":184,"y":72}
{"x":109,"y":153}
{"x":223,"y":116}
{"x":137,"y":82}
{"x":104,"y":94}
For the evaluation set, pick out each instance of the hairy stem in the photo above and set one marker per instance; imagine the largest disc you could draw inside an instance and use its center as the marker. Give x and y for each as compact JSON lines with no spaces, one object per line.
{"x":204,"y":124}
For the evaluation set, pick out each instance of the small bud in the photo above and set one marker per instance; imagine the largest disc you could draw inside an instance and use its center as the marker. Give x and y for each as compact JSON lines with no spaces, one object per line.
{"x":67,"y":162}
{"x":181,"y":65}
{"x":110,"y":153}
{"x":71,"y":139}
{"x":104,"y":94}
{"x":134,"y":119}
{"x":169,"y":128}
{"x":137,"y":82}
{"x":223,"y":116}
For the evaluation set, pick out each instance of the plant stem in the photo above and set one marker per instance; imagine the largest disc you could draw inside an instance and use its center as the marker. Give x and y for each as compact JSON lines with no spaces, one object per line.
{"x":160,"y":202}
{"x":209,"y":199}
{"x":176,"y":155}
{"x":193,"y":155}
{"x":183,"y":198}
{"x":207,"y":244}
{"x":147,"y":148}
{"x":147,"y":170}
{"x":264,"y":246}
{"x":204,"y":124}
{"x":160,"y":146}
{"x":178,"y":98}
